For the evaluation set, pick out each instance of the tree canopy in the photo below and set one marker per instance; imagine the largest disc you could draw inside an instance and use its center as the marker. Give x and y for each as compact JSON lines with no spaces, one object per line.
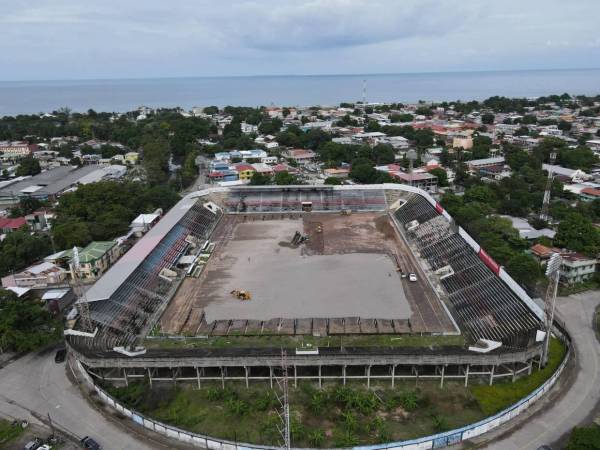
{"x":101,"y":211}
{"x":25,"y":324}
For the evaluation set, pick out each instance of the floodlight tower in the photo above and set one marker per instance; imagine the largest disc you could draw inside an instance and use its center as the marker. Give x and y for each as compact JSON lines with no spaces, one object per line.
{"x":553,"y":274}
{"x":547,"y":191}
{"x":284,"y":403}
{"x":82,"y":305}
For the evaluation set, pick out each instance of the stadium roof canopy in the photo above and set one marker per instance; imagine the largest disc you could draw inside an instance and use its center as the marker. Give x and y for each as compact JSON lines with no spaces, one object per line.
{"x":120,"y":271}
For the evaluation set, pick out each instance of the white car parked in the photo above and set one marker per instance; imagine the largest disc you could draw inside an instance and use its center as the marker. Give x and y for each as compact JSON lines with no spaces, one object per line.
{"x":412,"y":277}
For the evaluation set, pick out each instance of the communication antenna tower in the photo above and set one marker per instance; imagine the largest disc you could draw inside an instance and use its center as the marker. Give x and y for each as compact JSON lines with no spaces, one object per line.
{"x":284,"y":404}
{"x":364,"y":93}
{"x":82,"y":305}
{"x":553,"y":273}
{"x":547,"y":191}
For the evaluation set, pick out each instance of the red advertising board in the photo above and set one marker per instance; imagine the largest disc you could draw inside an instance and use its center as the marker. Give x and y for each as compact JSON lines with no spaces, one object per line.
{"x":488,"y":261}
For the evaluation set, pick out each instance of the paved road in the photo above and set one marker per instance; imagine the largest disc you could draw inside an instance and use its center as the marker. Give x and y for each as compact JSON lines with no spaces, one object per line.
{"x":581,"y":400}
{"x":37,"y":383}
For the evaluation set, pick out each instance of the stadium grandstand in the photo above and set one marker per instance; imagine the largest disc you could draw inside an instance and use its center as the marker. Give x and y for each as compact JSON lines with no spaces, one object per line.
{"x":480,"y":298}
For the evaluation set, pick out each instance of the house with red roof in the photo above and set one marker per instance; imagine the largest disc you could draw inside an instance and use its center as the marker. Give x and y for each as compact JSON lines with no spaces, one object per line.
{"x":7,"y":224}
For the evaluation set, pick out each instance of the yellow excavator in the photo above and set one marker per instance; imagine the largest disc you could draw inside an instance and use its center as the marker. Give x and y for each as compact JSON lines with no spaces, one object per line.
{"x":241,"y":295}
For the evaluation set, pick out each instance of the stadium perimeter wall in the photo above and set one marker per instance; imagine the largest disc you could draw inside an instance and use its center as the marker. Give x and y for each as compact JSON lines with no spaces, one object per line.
{"x":430,"y":442}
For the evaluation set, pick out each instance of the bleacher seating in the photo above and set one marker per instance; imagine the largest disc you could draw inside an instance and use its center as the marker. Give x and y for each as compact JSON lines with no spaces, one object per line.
{"x":122,"y":317}
{"x":322,"y":199}
{"x":482,"y":304}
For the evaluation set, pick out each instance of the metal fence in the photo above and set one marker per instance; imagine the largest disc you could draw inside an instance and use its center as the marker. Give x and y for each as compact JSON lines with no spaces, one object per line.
{"x":429,"y":442}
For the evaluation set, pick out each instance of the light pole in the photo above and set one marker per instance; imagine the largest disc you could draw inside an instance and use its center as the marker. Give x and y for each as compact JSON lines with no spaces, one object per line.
{"x":553,"y":273}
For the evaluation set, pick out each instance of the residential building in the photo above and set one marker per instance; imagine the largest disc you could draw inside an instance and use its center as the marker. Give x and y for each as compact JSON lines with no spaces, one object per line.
{"x":16,"y":149}
{"x":95,"y":259}
{"x":37,"y":276}
{"x":567,"y":175}
{"x":476,"y":164}
{"x":336,"y":173}
{"x":245,"y":171}
{"x":300,"y":156}
{"x":11,"y":224}
{"x":575,"y":267}
{"x":462,"y":141}
{"x":589,"y":194}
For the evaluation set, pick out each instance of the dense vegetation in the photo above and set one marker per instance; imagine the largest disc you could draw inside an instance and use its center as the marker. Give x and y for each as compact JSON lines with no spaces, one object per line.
{"x":335,"y":416}
{"x":584,"y":438}
{"x":20,"y":248}
{"x":25,"y":324}
{"x":102,"y":211}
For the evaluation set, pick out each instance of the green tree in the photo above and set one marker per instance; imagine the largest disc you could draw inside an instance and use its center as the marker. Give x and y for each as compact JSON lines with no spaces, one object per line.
{"x":189,"y":170}
{"x":20,"y":249}
{"x":24,"y":324}
{"x":441,"y":175}
{"x":524,"y":269}
{"x":487,"y":118}
{"x":285,"y":178}
{"x":70,"y":234}
{"x":577,"y":232}
{"x":383,"y":154}
{"x":334,"y":181}
{"x":156,"y":155}
{"x":28,"y":166}
{"x":584,"y":438}
{"x":260,"y":179}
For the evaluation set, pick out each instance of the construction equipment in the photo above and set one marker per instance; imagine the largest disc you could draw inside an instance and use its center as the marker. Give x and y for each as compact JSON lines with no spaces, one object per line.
{"x":241,"y":295}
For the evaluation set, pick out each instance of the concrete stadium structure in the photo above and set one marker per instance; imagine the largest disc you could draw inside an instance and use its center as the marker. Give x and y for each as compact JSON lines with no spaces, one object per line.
{"x":460,"y":290}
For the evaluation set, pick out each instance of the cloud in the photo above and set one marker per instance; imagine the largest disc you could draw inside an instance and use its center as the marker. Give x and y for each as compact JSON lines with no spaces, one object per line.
{"x":123,"y":38}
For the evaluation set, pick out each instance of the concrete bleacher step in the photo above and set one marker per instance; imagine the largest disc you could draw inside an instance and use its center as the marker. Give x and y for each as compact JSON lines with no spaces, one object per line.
{"x":319,"y":327}
{"x":336,"y":326}
{"x":352,"y":325}
{"x":385,"y":326}
{"x":221,"y":328}
{"x":304,"y":326}
{"x":286,"y":327}
{"x":254,"y":327}
{"x":271,"y":326}
{"x":238,"y":327}
{"x":368,"y":326}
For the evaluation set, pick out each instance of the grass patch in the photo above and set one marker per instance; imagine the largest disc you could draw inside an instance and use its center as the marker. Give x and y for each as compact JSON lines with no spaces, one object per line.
{"x":335,"y":416}
{"x":9,"y":432}
{"x":499,"y":396}
{"x":307,"y":341}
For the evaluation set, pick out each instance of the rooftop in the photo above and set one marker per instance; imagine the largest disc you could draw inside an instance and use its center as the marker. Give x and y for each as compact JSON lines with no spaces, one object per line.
{"x":50,"y":182}
{"x":118,"y":273}
{"x":95,"y":250}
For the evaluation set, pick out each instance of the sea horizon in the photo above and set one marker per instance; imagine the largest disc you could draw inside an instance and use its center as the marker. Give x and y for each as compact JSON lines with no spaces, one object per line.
{"x":126,"y":94}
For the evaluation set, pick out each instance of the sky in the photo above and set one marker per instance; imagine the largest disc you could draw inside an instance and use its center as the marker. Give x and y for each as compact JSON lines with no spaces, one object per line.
{"x":91,"y":39}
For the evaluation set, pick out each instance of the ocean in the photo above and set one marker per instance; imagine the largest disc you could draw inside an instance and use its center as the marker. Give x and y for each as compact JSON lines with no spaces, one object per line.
{"x":118,"y":95}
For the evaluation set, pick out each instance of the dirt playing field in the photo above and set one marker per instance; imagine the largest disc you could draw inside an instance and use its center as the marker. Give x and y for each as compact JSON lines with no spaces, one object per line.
{"x":346,"y":268}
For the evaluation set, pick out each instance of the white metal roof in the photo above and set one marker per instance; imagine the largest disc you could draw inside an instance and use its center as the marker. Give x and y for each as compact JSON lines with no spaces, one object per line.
{"x":118,"y":273}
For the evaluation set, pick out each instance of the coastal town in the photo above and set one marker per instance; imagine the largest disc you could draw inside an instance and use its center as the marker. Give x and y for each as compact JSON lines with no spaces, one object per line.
{"x":479,"y":151}
{"x":141,"y":204}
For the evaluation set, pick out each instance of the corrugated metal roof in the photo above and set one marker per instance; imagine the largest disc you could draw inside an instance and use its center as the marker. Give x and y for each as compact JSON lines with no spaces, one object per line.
{"x":120,"y":271}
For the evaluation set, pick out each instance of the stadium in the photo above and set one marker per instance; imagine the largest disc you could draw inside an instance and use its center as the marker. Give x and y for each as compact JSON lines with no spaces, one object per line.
{"x":233,"y":284}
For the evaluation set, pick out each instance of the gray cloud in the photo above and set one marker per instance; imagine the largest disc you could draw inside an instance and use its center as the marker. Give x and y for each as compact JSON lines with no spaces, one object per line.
{"x":120,"y":38}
